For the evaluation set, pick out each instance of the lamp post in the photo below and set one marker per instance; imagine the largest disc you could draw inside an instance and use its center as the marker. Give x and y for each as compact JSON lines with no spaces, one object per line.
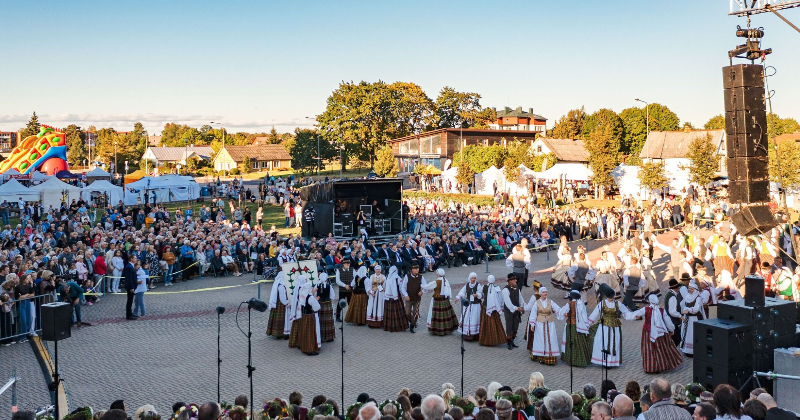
{"x":186,"y":156}
{"x":647,"y":119}
{"x":115,"y":157}
{"x":318,"y":156}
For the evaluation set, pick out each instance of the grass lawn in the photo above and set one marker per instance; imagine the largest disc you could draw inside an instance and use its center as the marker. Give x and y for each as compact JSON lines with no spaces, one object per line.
{"x":273,"y":215}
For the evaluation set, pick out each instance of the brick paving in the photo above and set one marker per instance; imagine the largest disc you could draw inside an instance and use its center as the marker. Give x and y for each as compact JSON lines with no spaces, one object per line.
{"x":170,"y":354}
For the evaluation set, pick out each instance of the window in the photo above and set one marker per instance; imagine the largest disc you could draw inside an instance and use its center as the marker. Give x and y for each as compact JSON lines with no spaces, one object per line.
{"x":409,"y":147}
{"x":431,"y":145}
{"x":255,"y":164}
{"x":276,"y":164}
{"x":539,"y":149}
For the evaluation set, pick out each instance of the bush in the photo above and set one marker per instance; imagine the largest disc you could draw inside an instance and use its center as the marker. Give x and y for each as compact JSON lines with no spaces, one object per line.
{"x":234,"y":171}
{"x":205,"y":171}
{"x":222,"y":173}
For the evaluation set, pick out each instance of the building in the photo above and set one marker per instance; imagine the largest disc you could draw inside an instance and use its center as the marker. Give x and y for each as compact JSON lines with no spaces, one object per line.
{"x":519,"y":120}
{"x":671,"y":148}
{"x":154,"y":140}
{"x":783,"y":137}
{"x":437,"y":146}
{"x":265,"y":157}
{"x":566,"y":150}
{"x":177,"y":155}
{"x":8,"y":141}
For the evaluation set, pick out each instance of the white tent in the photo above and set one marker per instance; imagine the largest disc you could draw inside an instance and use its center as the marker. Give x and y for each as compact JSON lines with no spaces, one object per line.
{"x":38,"y":177}
{"x":449,"y":178}
{"x":520,"y":184}
{"x":165,"y":188}
{"x":485,"y":181}
{"x":97,"y":173}
{"x":568,"y":171}
{"x":53,"y":190}
{"x":100,"y":187}
{"x":12,"y":191}
{"x":627,"y":179}
{"x":9,"y":173}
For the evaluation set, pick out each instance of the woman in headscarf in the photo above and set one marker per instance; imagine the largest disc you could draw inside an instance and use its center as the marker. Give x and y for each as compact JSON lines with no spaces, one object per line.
{"x":394,"y":311}
{"x":607,"y":271}
{"x":692,"y":311}
{"x":560,"y":278}
{"x":492,"y":332}
{"x":327,"y":299}
{"x":607,"y":346}
{"x":470,"y":324}
{"x":278,"y":299}
{"x":441,"y":317}
{"x":375,"y":298}
{"x":659,"y":353}
{"x":542,"y":335}
{"x":305,"y":319}
{"x":576,"y":349}
{"x":357,"y":312}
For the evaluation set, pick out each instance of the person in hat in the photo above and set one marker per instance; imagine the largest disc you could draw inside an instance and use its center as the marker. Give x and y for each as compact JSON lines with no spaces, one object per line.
{"x":491,"y":328}
{"x":357,"y":311}
{"x":514,"y":306}
{"x":519,"y":261}
{"x":375,"y":297}
{"x":344,"y":276}
{"x":541,"y":334}
{"x":305,"y":319}
{"x":472,"y":295}
{"x":441,"y":317}
{"x":673,"y":304}
{"x":327,"y":299}
{"x":606,"y":350}
{"x":412,"y":287}
{"x":659,"y":353}
{"x":575,"y":347}
{"x":691,"y":311}
{"x":394,"y":313}
{"x":278,"y":325}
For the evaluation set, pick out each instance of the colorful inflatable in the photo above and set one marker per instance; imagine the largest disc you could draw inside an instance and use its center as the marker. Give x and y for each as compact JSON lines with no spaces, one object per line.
{"x":46,"y":152}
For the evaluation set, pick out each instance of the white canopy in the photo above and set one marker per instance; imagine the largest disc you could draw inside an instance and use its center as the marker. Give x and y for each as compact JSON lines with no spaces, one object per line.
{"x":98,"y":172}
{"x":39,"y":177}
{"x":12,"y":191}
{"x":52,"y":191}
{"x":568,"y":171}
{"x":627,"y":179}
{"x":165,"y":188}
{"x":449,"y":179}
{"x":486,"y":180}
{"x":7,"y":174}
{"x":103,"y":186}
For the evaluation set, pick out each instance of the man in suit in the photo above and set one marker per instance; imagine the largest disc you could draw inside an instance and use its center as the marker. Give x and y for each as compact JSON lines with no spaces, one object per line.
{"x":485,"y":245}
{"x":372,"y":248}
{"x":129,"y":277}
{"x":398,"y":259}
{"x":448,"y":253}
{"x":476,"y":250}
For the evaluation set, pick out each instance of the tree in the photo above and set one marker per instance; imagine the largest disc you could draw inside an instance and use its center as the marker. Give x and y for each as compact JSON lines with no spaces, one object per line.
{"x":687,"y":126}
{"x":570,"y":126}
{"x":603,"y":118}
{"x":703,"y":160}
{"x":303,"y":149}
{"x":518,"y":153}
{"x":603,"y":148}
{"x":538,"y":161}
{"x":273,"y":137}
{"x":634,"y":123}
{"x":787,"y":173}
{"x":385,"y":164}
{"x":662,"y":118}
{"x":461,"y":110}
{"x":777,"y":125}
{"x":76,"y":145}
{"x":465,"y":176}
{"x":136,"y":142}
{"x":652,"y":176}
{"x":32,"y":128}
{"x":246,"y":166}
{"x":106,"y":137}
{"x":716,"y":122}
{"x":480,"y":158}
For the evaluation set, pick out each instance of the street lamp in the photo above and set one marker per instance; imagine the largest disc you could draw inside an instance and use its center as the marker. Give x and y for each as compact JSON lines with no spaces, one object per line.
{"x":115,"y":157}
{"x":647,"y":120}
{"x":319,"y":158}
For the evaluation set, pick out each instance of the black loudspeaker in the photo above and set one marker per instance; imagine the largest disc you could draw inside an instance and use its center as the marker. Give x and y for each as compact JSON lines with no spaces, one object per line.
{"x":337,"y":230}
{"x":753,"y":291}
{"x":55,"y":321}
{"x":751,"y":220}
{"x":751,"y":169}
{"x":748,"y":192}
{"x":724,"y":343}
{"x":742,"y":75}
{"x":775,"y":315}
{"x":347,"y":229}
{"x":710,"y":375}
{"x":749,"y":98}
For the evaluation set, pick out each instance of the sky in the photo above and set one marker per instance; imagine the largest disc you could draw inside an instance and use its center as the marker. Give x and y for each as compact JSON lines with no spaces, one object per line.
{"x":253,"y":65}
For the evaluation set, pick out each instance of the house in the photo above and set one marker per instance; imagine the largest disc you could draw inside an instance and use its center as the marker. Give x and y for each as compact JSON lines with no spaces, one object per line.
{"x":8,"y":141}
{"x":264,"y":157}
{"x":783,"y":137}
{"x":566,"y":150}
{"x":154,"y":140}
{"x":519,"y":120}
{"x":437,"y":146}
{"x":177,"y":155}
{"x":671,"y":148}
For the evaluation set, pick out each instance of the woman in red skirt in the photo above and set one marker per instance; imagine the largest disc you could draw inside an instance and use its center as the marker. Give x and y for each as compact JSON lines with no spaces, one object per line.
{"x":357,"y":312}
{"x":492,"y":331}
{"x":394,"y":313}
{"x":659,"y":353}
{"x":327,"y":298}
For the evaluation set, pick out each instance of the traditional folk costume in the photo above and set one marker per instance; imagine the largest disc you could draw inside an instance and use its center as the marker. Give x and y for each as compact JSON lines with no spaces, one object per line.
{"x":278,"y":325}
{"x":441,"y":318}
{"x":560,"y":278}
{"x":327,"y":300}
{"x":650,"y":284}
{"x":576,"y":349}
{"x":491,"y":331}
{"x":723,"y":257}
{"x":519,"y":262}
{"x":344,"y":276}
{"x":470,"y":325}
{"x":726,"y":289}
{"x":606,"y":350}
{"x":692,"y":310}
{"x":357,"y":312}
{"x":513,"y":306}
{"x":673,"y":304}
{"x":607,"y":273}
{"x":412,"y":287}
{"x":659,"y":353}
{"x":633,"y":280}
{"x":581,"y":275}
{"x":375,"y":298}
{"x":542,"y":334}
{"x":394,"y":313}
{"x":305,"y":320}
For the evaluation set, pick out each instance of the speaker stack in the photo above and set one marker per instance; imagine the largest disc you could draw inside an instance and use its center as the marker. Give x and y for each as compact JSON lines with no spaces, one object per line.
{"x":722,"y":353}
{"x":747,"y":157}
{"x":55,"y":321}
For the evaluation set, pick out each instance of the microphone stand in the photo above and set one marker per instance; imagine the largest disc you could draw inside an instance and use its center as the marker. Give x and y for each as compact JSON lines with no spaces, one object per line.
{"x":342,"y":305}
{"x":219,"y":356}
{"x":249,"y":336}
{"x":571,"y":358}
{"x":465,"y":303}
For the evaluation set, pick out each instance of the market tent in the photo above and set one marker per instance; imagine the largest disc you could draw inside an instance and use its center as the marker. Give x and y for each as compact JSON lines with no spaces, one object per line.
{"x":627,"y":179}
{"x":97,"y":174}
{"x":449,"y":179}
{"x":12,"y":191}
{"x":432,"y":170}
{"x":9,"y":173}
{"x":520,"y":184}
{"x":165,"y":188}
{"x":568,"y":171}
{"x":181,"y":188}
{"x":485,"y":181}
{"x":64,"y":174}
{"x":100,"y":187}
{"x":53,"y":190}
{"x":38,"y":177}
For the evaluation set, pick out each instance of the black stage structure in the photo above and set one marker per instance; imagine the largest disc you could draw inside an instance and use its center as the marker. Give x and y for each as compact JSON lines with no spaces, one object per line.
{"x":345,"y":207}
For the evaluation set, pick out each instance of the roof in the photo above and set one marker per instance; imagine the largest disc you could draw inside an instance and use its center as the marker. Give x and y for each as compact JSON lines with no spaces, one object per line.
{"x":509,"y":134}
{"x":508,"y":112}
{"x":675,"y":144}
{"x":788,"y":136}
{"x":260,"y":153}
{"x":567,"y":150}
{"x":176,"y":154}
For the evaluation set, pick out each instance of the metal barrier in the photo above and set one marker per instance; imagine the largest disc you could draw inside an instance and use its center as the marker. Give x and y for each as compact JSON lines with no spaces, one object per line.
{"x":12,"y":383}
{"x":21,"y":317}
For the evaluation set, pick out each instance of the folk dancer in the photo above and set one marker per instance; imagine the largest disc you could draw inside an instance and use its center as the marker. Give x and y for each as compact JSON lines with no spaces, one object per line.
{"x":441,"y":317}
{"x":305,"y":318}
{"x":394,"y":315}
{"x":519,"y":261}
{"x":606,"y":268}
{"x":357,"y":312}
{"x":491,"y":330}
{"x":783,"y":281}
{"x":606,"y":350}
{"x":673,"y":304}
{"x":470,"y":325}
{"x":723,"y":257}
{"x":575,"y":347}
{"x":278,"y":325}
{"x":412,"y":286}
{"x":514,"y":306}
{"x":650,"y":284}
{"x":375,"y":298}
{"x":632,"y":280}
{"x":344,"y":276}
{"x":327,"y":299}
{"x":542,"y":335}
{"x":659,"y":353}
{"x":560,"y":278}
{"x":581,"y":274}
{"x":727,"y":289}
{"x":675,"y":257}
{"x":692,"y":310}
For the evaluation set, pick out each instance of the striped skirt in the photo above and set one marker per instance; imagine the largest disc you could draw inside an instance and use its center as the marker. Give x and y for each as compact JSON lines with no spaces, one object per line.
{"x":576,"y":348}
{"x":560,"y":278}
{"x":294,"y":334}
{"x":723,"y":262}
{"x":661,"y":355}
{"x":307,"y":331}
{"x":357,"y":312}
{"x":443,"y":319}
{"x":492,"y":331}
{"x":277,"y":317}
{"x":326,"y":326}
{"x":394,"y":316}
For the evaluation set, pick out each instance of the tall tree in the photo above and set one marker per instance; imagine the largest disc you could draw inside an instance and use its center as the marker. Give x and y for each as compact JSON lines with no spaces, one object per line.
{"x":461,"y":110}
{"x":652,"y":176}
{"x":716,"y":122}
{"x":634,"y":123}
{"x":787,"y":173}
{"x":662,"y":118}
{"x":303,"y":149}
{"x":480,"y":158}
{"x":136,"y":142}
{"x":604,"y":118}
{"x":105,"y":150}
{"x":777,"y":125}
{"x":385,"y":164}
{"x":273,"y":137}
{"x":76,"y":145}
{"x":32,"y":128}
{"x":412,"y":108}
{"x":465,"y":177}
{"x":603,"y":148}
{"x":518,"y":154}
{"x":570,"y":126}
{"x":703,"y":160}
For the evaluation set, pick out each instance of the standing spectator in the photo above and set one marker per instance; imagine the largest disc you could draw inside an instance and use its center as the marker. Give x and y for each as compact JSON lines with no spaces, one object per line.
{"x":24,"y":293}
{"x":169,"y":258}
{"x":287,"y":213}
{"x":129,"y":275}
{"x":622,"y":409}
{"x":72,"y":293}
{"x":773,"y":412}
{"x":141,"y":287}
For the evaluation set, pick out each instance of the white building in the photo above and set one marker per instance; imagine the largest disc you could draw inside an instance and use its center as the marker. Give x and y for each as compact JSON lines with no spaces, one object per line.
{"x":671,"y":147}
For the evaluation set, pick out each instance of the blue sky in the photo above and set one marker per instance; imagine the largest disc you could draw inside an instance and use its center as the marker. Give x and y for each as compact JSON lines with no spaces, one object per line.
{"x":255,"y":64}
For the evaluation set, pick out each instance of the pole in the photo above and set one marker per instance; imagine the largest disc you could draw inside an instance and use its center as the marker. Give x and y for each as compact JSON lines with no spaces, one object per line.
{"x":341,"y":330}
{"x":318,"y":158}
{"x":463,"y":350}
{"x":56,"y":381}
{"x":14,"y":391}
{"x":250,"y":367}
{"x":219,"y":357}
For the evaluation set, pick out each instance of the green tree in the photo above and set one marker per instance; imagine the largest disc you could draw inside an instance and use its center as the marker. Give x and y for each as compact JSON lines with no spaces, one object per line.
{"x":570,"y":126}
{"x":106,"y":137}
{"x":775,"y":125}
{"x":687,"y":125}
{"x":703,"y":160}
{"x":246,"y":166}
{"x":716,"y":122}
{"x":480,"y":158}
{"x":273,"y":137}
{"x":461,"y":110}
{"x":303,"y":149}
{"x":518,"y":153}
{"x":76,"y":145}
{"x":32,"y":128}
{"x":136,"y":142}
{"x":465,"y":177}
{"x":603,"y":148}
{"x":788,"y":171}
{"x":634,"y":123}
{"x":603,"y":118}
{"x":539,"y":160}
{"x":662,"y":118}
{"x":652,"y":176}
{"x":385,"y":164}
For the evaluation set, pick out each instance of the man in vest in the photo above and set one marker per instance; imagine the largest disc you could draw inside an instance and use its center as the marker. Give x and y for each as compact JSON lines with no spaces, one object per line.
{"x":344,"y":276}
{"x":578,"y":273}
{"x":411,"y":287}
{"x":632,"y":279}
{"x":519,"y":263}
{"x":513,"y":308}
{"x":672,"y":302}
{"x":674,"y":255}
